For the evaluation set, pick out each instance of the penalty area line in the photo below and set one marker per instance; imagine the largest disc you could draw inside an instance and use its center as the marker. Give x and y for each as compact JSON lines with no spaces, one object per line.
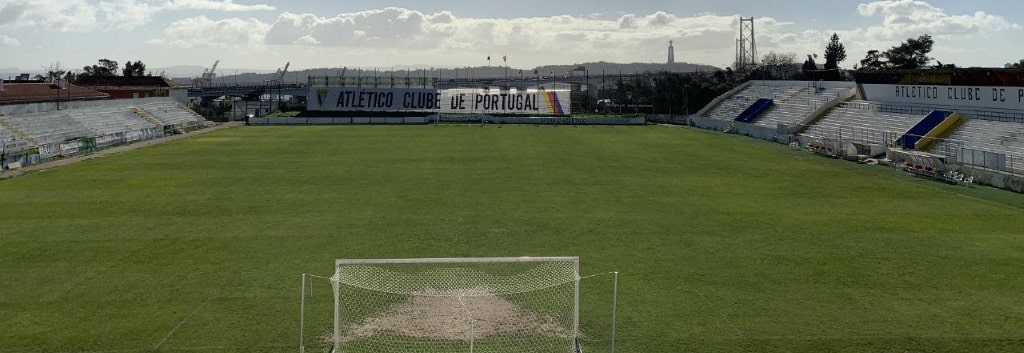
{"x":182,"y":323}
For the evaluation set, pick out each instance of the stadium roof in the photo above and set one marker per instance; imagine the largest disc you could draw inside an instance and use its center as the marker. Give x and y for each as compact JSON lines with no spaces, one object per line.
{"x":943,"y":76}
{"x":21,"y":92}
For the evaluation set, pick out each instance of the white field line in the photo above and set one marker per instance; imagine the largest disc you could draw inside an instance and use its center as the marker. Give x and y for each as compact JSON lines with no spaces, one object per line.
{"x":181,"y":323}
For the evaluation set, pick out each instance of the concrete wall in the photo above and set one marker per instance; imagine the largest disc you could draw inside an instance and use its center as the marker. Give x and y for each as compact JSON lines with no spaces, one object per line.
{"x":994,"y":179}
{"x":759,"y":132}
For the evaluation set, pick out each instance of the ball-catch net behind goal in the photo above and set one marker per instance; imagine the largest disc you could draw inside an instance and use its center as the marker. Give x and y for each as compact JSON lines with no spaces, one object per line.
{"x":456,"y":305}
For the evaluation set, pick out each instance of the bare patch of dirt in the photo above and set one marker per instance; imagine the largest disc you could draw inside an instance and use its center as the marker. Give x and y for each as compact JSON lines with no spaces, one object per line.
{"x":451,"y":315}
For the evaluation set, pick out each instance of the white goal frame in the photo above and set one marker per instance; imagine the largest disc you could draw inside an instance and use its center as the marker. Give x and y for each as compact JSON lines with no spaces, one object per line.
{"x":574,"y":260}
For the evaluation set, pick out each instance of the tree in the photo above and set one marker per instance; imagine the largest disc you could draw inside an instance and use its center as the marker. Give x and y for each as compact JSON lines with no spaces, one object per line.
{"x":105,"y":67}
{"x":911,"y":54}
{"x":1016,"y":65}
{"x":135,"y":69}
{"x":873,"y":60}
{"x":835,"y":53}
{"x":777,"y":66}
{"x":53,"y":73}
{"x":809,"y":64}
{"x":810,"y":68}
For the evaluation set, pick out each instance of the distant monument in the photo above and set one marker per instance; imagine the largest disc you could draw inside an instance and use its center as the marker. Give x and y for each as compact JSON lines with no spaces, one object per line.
{"x":671,"y":53}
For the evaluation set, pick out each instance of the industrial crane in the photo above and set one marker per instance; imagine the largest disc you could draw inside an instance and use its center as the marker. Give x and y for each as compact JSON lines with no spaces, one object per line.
{"x":281,"y":73}
{"x":209,"y":74}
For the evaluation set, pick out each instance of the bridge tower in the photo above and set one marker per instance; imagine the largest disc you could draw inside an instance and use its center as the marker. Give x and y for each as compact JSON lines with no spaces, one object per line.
{"x":746,"y":46}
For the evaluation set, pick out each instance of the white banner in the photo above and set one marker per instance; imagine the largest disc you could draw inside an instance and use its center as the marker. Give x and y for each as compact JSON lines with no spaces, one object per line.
{"x":452,"y":101}
{"x":952,"y":96}
{"x":373,"y":99}
{"x":531,"y":102}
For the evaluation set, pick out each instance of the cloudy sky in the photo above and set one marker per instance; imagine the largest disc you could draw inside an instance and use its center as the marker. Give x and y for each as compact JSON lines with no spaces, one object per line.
{"x":264,"y":34}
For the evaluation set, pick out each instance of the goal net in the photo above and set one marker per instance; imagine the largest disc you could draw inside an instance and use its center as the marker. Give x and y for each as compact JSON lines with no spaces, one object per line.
{"x":456,"y":305}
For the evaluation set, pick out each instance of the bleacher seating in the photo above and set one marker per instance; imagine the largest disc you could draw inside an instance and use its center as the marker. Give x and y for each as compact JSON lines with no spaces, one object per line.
{"x":985,"y":135}
{"x":735,"y":104}
{"x":63,"y":125}
{"x":170,"y":113}
{"x":7,"y":135}
{"x":862,"y":121}
{"x":49,"y":127}
{"x":792,"y":104}
{"x":104,"y":121}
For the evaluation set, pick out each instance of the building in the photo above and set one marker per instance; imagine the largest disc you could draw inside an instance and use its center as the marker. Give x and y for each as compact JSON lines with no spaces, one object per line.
{"x":25,"y":92}
{"x":129,"y":87}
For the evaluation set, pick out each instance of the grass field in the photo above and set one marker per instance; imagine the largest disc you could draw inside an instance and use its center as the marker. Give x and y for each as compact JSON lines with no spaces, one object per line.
{"x":724,"y":244}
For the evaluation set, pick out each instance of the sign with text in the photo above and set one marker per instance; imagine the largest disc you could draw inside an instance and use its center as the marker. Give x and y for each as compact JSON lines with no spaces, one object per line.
{"x":957,"y":96}
{"x":531,"y":102}
{"x":373,"y":99}
{"x":476,"y":101}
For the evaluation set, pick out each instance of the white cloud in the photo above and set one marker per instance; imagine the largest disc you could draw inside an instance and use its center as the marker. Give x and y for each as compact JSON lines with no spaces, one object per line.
{"x":899,"y":20}
{"x":58,"y":15}
{"x":85,"y":16}
{"x":906,"y":18}
{"x":214,"y":5}
{"x":201,"y":32}
{"x":6,"y":41}
{"x":533,"y":39}
{"x":125,"y":14}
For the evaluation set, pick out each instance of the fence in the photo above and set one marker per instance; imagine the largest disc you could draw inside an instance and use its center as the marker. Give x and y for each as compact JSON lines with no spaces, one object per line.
{"x":21,"y":156}
{"x":955,"y":152}
{"x":862,"y":135}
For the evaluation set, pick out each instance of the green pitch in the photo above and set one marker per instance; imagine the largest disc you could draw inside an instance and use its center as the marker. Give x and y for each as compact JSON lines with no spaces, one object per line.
{"x":724,"y":243}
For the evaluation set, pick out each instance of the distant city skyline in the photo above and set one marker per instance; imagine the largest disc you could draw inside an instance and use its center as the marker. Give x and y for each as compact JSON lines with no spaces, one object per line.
{"x":264,"y":34}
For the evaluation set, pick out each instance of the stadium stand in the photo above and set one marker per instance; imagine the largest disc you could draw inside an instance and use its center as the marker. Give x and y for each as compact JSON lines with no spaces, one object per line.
{"x":862,"y":121}
{"x":985,"y":135}
{"x":962,"y":125}
{"x":63,"y":125}
{"x":794,"y":101}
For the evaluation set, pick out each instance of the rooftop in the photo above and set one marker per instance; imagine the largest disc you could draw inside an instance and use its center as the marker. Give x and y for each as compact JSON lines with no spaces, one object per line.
{"x":125,"y":81}
{"x":22,"y":92}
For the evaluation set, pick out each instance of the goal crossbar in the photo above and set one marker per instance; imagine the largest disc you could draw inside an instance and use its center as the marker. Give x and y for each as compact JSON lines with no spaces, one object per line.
{"x":457,"y":260}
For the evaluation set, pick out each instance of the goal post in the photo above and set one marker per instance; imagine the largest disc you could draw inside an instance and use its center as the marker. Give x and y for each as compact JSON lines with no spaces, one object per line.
{"x":492,"y":304}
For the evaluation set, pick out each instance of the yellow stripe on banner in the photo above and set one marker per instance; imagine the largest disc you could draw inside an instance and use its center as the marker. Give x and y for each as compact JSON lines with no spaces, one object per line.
{"x":944,"y":128}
